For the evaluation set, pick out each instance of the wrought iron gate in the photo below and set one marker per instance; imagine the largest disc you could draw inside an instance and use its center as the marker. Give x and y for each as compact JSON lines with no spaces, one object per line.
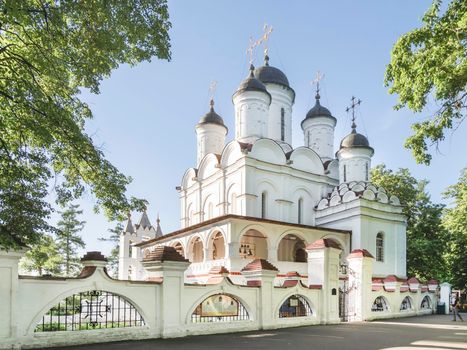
{"x":344,"y":301}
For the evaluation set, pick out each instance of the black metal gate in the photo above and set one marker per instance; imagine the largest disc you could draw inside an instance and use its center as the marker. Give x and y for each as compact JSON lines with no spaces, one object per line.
{"x":344,"y":301}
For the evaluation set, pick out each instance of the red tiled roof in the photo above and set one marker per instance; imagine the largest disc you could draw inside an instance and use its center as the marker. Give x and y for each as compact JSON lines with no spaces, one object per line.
{"x":360,"y":253}
{"x":323,"y":243}
{"x":315,"y":286}
{"x":164,"y":253}
{"x":218,"y":270}
{"x":292,"y":274}
{"x":413,"y":280}
{"x":259,"y":265}
{"x":290,"y":283}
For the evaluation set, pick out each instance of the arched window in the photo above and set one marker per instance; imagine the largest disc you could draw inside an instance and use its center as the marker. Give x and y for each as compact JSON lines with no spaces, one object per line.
{"x":366,"y":171}
{"x":406,"y":304}
{"x":264,"y":199}
{"x":380,"y":247}
{"x":295,"y":306}
{"x":220,"y":308}
{"x":94,"y":309}
{"x":130,"y":243}
{"x":300,"y":210}
{"x":282,"y":124}
{"x":380,"y":304}
{"x":345,"y":173}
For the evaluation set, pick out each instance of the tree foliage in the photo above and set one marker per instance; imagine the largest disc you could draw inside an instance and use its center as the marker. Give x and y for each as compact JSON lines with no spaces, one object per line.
{"x":43,"y":258}
{"x":430,"y":63}
{"x":455,"y":222}
{"x":114,"y":238}
{"x":68,"y":239}
{"x":49,"y":50}
{"x":426,"y":237}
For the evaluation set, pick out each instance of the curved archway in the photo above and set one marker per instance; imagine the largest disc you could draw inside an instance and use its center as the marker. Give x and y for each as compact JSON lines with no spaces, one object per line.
{"x":380,"y":304}
{"x":92,"y":309}
{"x":407,"y":304}
{"x":195,"y":250}
{"x":220,"y":307}
{"x":295,"y":306}
{"x":426,"y":303}
{"x":253,"y":245}
{"x":216,"y":246}
{"x":292,"y":248}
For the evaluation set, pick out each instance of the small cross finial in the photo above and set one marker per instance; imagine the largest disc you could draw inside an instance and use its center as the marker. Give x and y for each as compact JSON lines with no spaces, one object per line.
{"x":251,"y":47}
{"x":352,"y":108}
{"x":319,"y":76}
{"x":267,"y":30}
{"x":212,"y":91}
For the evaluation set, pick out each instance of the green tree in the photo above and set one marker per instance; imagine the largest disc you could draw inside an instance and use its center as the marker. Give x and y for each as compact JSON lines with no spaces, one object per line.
{"x":426,"y":237}
{"x":455,"y":222}
{"x":113,"y":238}
{"x":429,"y":63}
{"x":44,"y":257}
{"x":49,"y":50}
{"x":68,"y":238}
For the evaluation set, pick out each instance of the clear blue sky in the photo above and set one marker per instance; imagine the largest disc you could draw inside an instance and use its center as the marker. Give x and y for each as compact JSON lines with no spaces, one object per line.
{"x":144,"y":117}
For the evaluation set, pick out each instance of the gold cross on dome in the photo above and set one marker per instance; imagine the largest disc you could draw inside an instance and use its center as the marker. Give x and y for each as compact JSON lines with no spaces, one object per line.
{"x":352,"y":108}
{"x":212,"y":88}
{"x":319,"y":76}
{"x":251,"y":47}
{"x":267,"y":30}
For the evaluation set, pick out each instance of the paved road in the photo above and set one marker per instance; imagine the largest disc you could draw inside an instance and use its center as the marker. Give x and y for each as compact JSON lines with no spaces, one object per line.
{"x":436,"y":332}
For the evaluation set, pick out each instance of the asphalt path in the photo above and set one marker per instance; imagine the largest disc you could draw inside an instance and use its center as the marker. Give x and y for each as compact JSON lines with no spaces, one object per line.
{"x":435,"y":332}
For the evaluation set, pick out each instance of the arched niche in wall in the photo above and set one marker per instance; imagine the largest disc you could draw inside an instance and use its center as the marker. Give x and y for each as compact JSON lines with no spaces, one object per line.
{"x":292,"y":248}
{"x":380,"y":304}
{"x":426,"y":303}
{"x":220,"y":308}
{"x":208,"y":166}
{"x":231,"y":153}
{"x":406,"y":304}
{"x":88,"y":310}
{"x":253,"y":245}
{"x":295,"y":306}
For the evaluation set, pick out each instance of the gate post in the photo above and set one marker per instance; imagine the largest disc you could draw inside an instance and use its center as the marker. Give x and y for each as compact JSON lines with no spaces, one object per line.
{"x":360,"y":283}
{"x":261,"y":273}
{"x":323,"y":270}
{"x":8,"y":293}
{"x":167,"y":266}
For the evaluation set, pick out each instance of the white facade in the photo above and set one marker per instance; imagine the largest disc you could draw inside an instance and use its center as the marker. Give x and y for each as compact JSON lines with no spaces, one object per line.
{"x":259,"y":175}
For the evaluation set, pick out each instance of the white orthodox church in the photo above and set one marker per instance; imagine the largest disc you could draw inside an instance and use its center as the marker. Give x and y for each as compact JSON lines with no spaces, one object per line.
{"x":257,"y":197}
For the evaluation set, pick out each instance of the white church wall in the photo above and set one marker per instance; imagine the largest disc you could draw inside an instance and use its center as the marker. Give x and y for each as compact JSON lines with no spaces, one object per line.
{"x":282,"y":100}
{"x":251,"y":115}
{"x":365,"y":219}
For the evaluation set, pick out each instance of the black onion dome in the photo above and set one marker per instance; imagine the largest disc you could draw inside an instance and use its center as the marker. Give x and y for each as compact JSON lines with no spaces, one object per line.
{"x":318,"y":111}
{"x":354,"y":139}
{"x":268,"y":74}
{"x":251,"y":84}
{"x":212,"y":117}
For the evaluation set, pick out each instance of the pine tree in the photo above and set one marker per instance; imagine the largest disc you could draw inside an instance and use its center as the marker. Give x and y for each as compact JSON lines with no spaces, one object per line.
{"x":114,"y":238}
{"x":68,"y":239}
